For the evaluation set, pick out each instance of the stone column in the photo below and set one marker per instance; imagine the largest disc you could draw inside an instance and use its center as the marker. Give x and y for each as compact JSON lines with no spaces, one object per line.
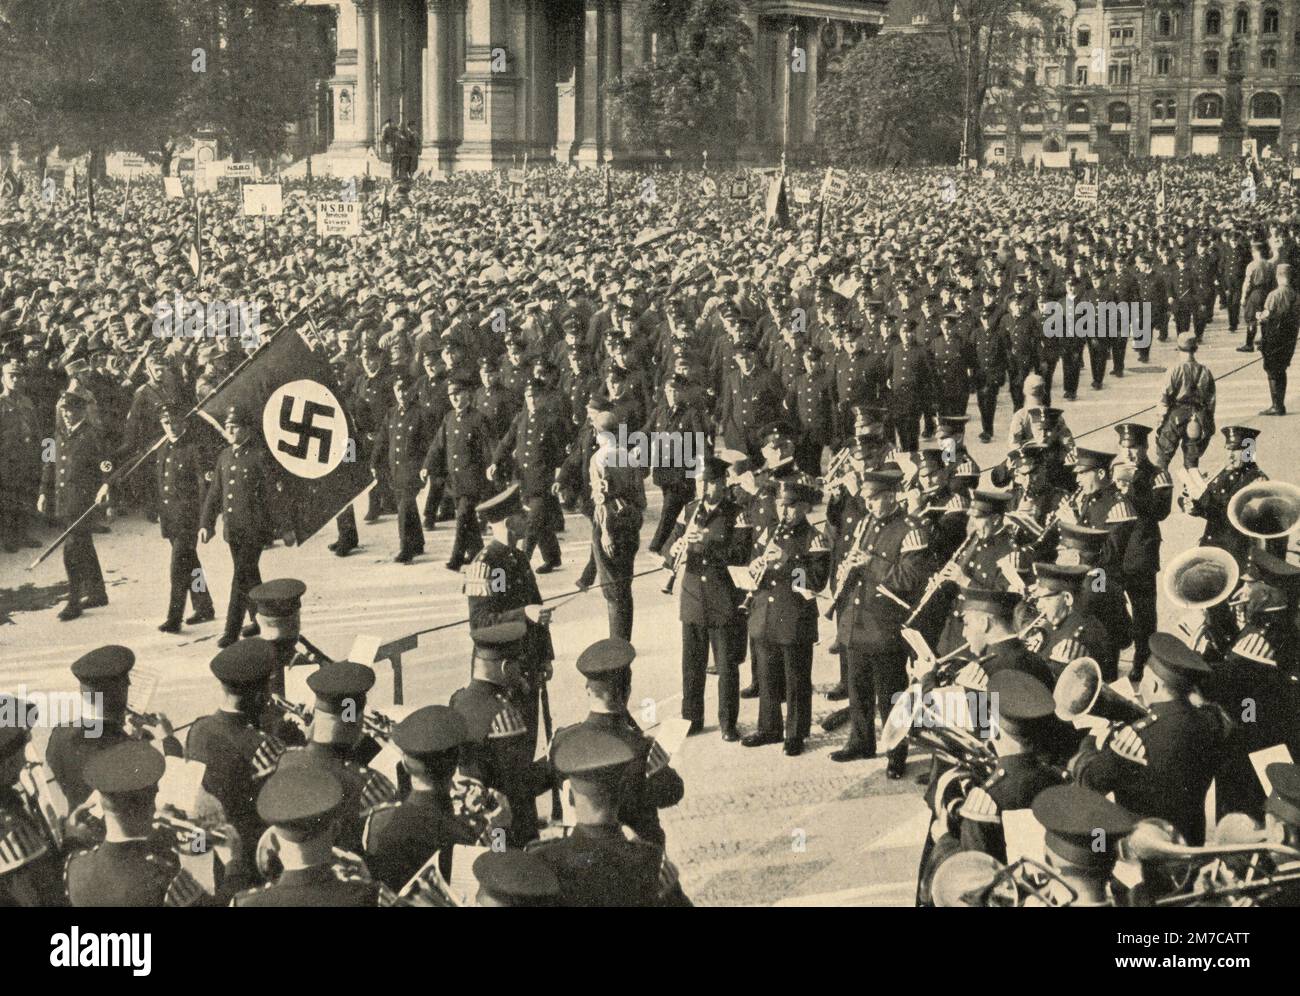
{"x":438,"y":139}
{"x":813,"y":40}
{"x":365,"y":92}
{"x":610,"y":71}
{"x":491,"y":87}
{"x":589,"y":147}
{"x":566,"y":56}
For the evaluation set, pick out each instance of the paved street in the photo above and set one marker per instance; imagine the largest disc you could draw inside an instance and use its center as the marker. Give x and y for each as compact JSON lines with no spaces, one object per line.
{"x":755,"y":827}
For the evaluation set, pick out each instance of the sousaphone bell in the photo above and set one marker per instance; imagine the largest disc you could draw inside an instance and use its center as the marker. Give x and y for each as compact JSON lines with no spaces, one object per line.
{"x":1201,"y":577}
{"x":1266,"y":510}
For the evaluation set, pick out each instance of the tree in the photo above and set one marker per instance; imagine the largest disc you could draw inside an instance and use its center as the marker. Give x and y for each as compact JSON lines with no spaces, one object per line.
{"x":252,"y":67}
{"x":86,"y":75}
{"x":869,"y":105}
{"x":688,"y":97}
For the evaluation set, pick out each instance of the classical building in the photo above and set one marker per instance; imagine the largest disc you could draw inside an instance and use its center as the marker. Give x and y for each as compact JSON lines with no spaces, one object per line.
{"x":487,"y":82}
{"x":1154,"y":78}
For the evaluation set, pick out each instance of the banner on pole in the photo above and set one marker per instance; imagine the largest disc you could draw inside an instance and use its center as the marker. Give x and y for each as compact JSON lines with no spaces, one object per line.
{"x":172,"y":188}
{"x":263,"y":199}
{"x":309,"y":437}
{"x":338,"y":218}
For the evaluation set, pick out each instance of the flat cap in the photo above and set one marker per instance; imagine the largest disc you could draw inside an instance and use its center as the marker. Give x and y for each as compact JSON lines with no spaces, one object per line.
{"x":495,"y":643}
{"x":104,"y":665}
{"x":586,"y":752}
{"x":1085,"y":538}
{"x":1021,"y":698}
{"x":516,"y":878}
{"x":1235,"y":436}
{"x":245,"y":663}
{"x":430,"y":731}
{"x":131,"y":766}
{"x":336,"y":683}
{"x":1133,"y":432}
{"x":299,"y":796}
{"x":606,"y":656}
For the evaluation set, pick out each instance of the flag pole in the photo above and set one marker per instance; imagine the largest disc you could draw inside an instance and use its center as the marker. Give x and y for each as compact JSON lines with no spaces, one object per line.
{"x":198,"y":405}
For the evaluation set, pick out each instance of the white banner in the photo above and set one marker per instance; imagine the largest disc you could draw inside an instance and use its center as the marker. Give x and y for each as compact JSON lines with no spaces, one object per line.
{"x":1056,"y":160}
{"x":338,"y":218}
{"x":247,"y":170}
{"x":262,"y":199}
{"x":172,"y":188}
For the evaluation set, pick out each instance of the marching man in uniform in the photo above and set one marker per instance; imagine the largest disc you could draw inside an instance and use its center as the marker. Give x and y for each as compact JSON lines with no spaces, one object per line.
{"x":1188,"y":401}
{"x":180,"y":500}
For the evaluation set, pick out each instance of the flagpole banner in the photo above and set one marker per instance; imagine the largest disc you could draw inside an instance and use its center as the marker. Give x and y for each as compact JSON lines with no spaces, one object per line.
{"x":338,"y":218}
{"x":304,"y":426}
{"x":262,"y":199}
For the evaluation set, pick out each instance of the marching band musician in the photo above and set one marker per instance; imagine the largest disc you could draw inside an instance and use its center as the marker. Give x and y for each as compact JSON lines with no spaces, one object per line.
{"x":892,"y":556}
{"x":238,"y":756}
{"x":337,"y":729}
{"x":502,"y":588}
{"x":794,"y":565}
{"x":497,"y":753}
{"x":1161,"y":765}
{"x":1034,"y":507}
{"x":400,"y":836}
{"x":1150,"y":492}
{"x":103,"y":674}
{"x":1067,"y":631}
{"x":938,"y":504}
{"x":707,"y":540}
{"x":1241,"y":469}
{"x":1101,"y":596}
{"x":514,"y":878}
{"x":303,"y":805}
{"x":650,"y":783}
{"x":986,"y":626}
{"x":29,"y":855}
{"x":1259,"y":679}
{"x":1097,"y":503}
{"x":134,"y":865}
{"x":978,"y":561}
{"x":598,"y":864}
{"x":1084,"y":831}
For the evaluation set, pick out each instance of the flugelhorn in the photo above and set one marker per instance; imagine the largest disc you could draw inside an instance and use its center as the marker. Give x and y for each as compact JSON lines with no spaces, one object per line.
{"x":1151,"y":842}
{"x":1266,"y":510}
{"x":1081,"y":691}
{"x":1201,"y":577}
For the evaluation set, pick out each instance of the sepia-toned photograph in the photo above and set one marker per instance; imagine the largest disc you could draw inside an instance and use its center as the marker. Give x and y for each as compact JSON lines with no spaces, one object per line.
{"x":650,"y":453}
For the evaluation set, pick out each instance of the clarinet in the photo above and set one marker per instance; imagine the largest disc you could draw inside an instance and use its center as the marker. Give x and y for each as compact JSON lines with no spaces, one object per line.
{"x":680,"y":560}
{"x":937,"y":579}
{"x":846,"y":569}
{"x":779,"y":534}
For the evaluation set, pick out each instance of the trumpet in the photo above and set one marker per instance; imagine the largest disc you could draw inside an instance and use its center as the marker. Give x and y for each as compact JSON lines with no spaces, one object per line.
{"x":838,"y":471}
{"x":299,"y":715}
{"x":186,"y":831}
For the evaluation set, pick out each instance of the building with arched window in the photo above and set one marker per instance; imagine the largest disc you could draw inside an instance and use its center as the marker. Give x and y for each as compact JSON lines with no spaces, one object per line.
{"x":1157,"y":78}
{"x":485,"y":82}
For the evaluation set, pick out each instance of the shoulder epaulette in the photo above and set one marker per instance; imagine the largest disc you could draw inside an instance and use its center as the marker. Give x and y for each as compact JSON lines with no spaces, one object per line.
{"x":1162,"y":480}
{"x":1254,"y":646}
{"x":183,"y":890}
{"x":476,"y":578}
{"x":1127,"y":741}
{"x":377,"y":789}
{"x":507,"y":723}
{"x":1066,"y":650}
{"x":817,"y":542}
{"x":20,"y":842}
{"x":973,"y":676}
{"x":914,"y":540}
{"x":656,"y":760}
{"x":957,"y":503}
{"x":1121,"y":511}
{"x":266,"y":757}
{"x":980,"y":807}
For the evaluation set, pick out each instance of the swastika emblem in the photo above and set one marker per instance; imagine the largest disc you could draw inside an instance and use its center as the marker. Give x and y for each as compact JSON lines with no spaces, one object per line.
{"x":305,"y":428}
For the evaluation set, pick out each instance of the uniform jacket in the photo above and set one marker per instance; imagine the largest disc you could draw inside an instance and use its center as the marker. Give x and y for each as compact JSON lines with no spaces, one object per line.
{"x":245,"y":494}
{"x":778,"y":612}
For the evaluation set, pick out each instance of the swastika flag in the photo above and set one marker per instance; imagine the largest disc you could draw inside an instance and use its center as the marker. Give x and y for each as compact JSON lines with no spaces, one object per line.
{"x":290,"y":391}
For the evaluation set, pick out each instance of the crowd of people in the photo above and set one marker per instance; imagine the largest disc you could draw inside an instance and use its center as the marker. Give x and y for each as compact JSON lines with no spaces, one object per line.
{"x":497,"y":343}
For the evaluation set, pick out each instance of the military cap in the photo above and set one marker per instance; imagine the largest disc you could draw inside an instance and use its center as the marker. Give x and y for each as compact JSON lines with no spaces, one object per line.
{"x":1284,"y":801}
{"x":1027,"y":455}
{"x":934,"y":453}
{"x":745,"y":347}
{"x":778,"y":430}
{"x":1021,"y":699}
{"x":985,"y":503}
{"x":714,"y":468}
{"x":1235,"y":436}
{"x":501,"y":506}
{"x":586,"y":753}
{"x":995,"y":603}
{"x":173,"y":411}
{"x":1075,"y":536}
{"x":516,"y":878}
{"x":462,"y":382}
{"x":131,"y":766}
{"x":1133,"y":432}
{"x":951,"y":426}
{"x":245,"y":663}
{"x":1055,"y":578}
{"x":16,"y":716}
{"x":237,"y":415}
{"x":74,"y":399}
{"x":1187,"y":341}
{"x":1175,"y":662}
{"x":605,"y":657}
{"x":430,"y":731}
{"x":338,"y":683}
{"x":497,"y":643}
{"x":104,"y":666}
{"x":299,"y":797}
{"x":798,"y":489}
{"x":1270,"y":569}
{"x":278,"y":597}
{"x":490,"y":363}
{"x":886,"y":478}
{"x":1092,"y":460}
{"x":1083,"y":827}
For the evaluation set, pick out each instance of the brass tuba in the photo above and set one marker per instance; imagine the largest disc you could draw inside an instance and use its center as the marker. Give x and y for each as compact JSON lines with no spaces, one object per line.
{"x":1201,"y":577}
{"x":1080,"y":691}
{"x":1266,"y":510}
